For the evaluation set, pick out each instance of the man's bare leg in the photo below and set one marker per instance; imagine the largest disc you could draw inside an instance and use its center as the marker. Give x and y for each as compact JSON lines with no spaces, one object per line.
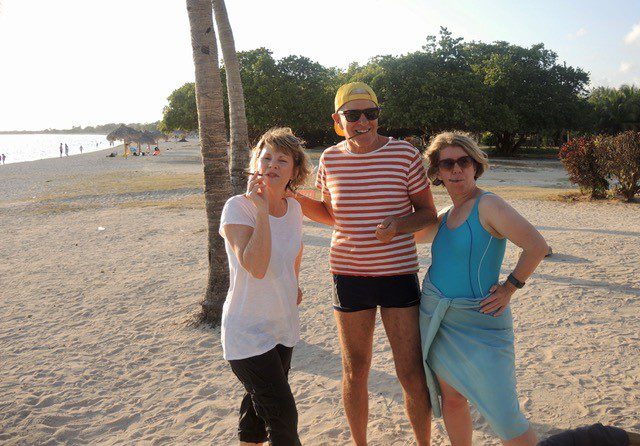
{"x":356,"y":341}
{"x":403,"y":332}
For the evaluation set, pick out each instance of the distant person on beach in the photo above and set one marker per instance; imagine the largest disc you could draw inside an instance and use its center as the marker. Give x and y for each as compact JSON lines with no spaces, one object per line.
{"x":156,"y":151}
{"x":4,"y":157}
{"x":260,"y":325}
{"x":375,"y":194}
{"x":61,"y":149}
{"x":80,"y":150}
{"x":465,"y":318}
{"x":66,"y":150}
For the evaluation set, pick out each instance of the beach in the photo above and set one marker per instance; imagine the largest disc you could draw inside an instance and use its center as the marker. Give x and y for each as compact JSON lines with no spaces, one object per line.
{"x":35,"y":146}
{"x":103,"y":264}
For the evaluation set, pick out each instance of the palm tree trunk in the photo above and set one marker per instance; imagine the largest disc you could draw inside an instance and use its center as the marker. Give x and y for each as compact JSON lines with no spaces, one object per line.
{"x":239,"y":133}
{"x":213,"y":144}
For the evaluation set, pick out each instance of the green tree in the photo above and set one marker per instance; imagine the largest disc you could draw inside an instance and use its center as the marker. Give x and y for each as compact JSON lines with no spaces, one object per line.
{"x":293,"y":91}
{"x":506,"y":89}
{"x":306,"y":97}
{"x":527,"y":91}
{"x":181,"y":113}
{"x":426,"y":91}
{"x":615,"y":109}
{"x":260,"y":83}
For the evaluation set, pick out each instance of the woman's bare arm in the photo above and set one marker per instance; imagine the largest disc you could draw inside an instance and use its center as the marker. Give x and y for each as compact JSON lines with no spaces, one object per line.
{"x":252,"y":246}
{"x":504,"y":221}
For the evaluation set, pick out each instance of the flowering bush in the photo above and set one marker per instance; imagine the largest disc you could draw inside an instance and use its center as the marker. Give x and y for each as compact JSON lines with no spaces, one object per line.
{"x":620,"y":159}
{"x":582,"y":160}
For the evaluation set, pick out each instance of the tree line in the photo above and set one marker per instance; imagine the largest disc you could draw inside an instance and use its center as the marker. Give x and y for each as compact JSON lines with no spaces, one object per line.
{"x":508,"y":94}
{"x":102,"y":129}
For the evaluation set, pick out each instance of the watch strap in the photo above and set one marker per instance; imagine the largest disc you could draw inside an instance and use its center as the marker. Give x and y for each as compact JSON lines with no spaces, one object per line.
{"x":515,"y":282}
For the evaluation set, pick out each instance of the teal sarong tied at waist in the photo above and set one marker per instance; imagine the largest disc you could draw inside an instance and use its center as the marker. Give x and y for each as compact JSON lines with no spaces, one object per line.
{"x":473,"y":353}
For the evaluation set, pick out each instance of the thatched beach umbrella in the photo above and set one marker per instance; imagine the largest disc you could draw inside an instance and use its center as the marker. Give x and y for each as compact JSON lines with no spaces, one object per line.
{"x":124,"y":134}
{"x":144,"y":138}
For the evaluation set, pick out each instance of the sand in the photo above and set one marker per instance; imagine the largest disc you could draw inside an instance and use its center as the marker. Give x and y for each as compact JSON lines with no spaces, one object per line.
{"x":97,"y":347}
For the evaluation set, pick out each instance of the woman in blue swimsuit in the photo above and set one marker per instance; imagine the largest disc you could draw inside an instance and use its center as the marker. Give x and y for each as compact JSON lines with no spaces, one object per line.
{"x":465,"y":320}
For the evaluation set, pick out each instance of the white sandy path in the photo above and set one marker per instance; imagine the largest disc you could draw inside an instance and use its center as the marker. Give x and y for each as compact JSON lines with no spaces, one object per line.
{"x":96,"y":350}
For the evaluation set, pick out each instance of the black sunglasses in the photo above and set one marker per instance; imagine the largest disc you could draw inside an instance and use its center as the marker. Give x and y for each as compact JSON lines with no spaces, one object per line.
{"x":354,"y":115}
{"x":448,"y":163}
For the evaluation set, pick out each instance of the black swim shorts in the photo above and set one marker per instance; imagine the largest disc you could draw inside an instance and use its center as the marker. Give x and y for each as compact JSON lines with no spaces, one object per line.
{"x":356,"y":293}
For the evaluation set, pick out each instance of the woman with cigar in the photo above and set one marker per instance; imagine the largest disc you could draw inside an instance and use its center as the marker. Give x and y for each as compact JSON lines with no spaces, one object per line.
{"x":465,"y":318}
{"x":263,"y":238}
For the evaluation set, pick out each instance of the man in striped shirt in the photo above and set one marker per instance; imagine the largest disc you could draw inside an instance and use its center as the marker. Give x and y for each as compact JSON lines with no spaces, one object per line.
{"x":375,"y":194}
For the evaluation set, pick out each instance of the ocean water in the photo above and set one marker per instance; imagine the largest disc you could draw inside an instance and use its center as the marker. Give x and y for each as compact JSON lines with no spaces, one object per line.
{"x":20,"y":148}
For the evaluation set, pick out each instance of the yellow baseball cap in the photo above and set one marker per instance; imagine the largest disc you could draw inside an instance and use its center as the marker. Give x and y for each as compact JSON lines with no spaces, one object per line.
{"x":351,"y":92}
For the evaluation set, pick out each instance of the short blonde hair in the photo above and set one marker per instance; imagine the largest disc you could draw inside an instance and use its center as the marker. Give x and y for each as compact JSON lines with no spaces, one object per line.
{"x":462,"y":140}
{"x":283,"y":140}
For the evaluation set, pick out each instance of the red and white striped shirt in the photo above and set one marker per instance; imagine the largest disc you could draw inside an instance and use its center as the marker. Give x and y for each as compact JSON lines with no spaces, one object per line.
{"x":365,"y":189}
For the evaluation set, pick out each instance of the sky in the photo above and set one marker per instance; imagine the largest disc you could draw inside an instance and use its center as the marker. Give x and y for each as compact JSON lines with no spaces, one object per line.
{"x":66,"y":63}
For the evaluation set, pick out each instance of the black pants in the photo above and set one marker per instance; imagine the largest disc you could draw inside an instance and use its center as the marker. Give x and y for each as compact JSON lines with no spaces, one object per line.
{"x":268,"y":411}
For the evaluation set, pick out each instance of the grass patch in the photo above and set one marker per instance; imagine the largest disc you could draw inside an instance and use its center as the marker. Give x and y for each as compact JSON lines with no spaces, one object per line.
{"x":506,"y":192}
{"x":528,"y":192}
{"x":514,"y":192}
{"x":191,"y":202}
{"x":527,"y":152}
{"x":52,"y":207}
{"x":612,"y":197}
{"x":114,"y":183}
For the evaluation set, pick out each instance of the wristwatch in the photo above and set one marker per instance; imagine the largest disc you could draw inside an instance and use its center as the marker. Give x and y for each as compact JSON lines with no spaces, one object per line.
{"x":515,"y":282}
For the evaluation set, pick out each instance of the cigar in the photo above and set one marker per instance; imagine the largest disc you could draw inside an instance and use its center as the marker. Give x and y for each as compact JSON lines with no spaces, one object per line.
{"x":354,"y":136}
{"x":251,"y":173}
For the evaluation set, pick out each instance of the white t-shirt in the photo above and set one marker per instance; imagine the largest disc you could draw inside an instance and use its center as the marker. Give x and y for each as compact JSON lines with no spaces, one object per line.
{"x":258,"y":314}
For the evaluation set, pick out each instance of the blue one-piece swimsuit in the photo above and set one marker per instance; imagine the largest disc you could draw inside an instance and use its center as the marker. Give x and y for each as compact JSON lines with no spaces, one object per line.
{"x":471,"y":351}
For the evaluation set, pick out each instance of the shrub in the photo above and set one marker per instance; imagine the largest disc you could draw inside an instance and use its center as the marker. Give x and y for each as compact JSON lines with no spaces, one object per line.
{"x":621,"y":160}
{"x":580,"y":158}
